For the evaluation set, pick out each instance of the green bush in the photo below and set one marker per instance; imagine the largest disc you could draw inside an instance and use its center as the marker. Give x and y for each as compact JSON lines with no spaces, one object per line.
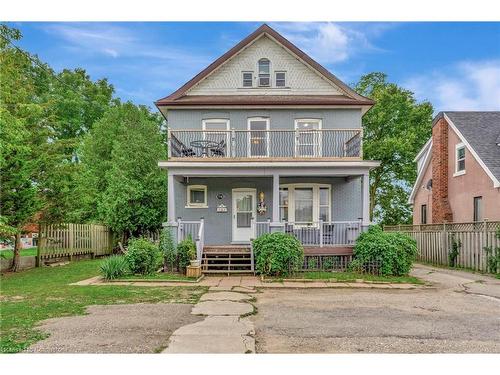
{"x":393,"y":251}
{"x":278,"y":254}
{"x":168,"y":250}
{"x":114,"y":267}
{"x":185,"y":250}
{"x":143,"y":257}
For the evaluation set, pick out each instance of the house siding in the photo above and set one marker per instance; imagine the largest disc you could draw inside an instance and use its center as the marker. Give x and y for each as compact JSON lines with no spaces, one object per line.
{"x":346,"y":201}
{"x":180,"y":119}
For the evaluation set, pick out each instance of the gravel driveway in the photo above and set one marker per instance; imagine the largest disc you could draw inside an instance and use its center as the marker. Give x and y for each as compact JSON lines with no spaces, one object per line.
{"x":135,"y":328}
{"x":461,"y":315}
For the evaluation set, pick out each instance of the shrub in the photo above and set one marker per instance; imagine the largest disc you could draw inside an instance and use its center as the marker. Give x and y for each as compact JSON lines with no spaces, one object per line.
{"x":168,"y":250}
{"x":393,"y":251}
{"x":278,"y":254}
{"x":114,"y":267}
{"x":185,"y":250}
{"x":143,"y":257}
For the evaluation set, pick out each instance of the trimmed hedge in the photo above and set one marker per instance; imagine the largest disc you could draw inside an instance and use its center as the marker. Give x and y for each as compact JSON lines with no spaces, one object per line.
{"x":394,"y":252}
{"x":278,"y":254}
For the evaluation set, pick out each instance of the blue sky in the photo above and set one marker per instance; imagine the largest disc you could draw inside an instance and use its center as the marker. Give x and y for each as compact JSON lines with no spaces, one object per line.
{"x":454,"y":65}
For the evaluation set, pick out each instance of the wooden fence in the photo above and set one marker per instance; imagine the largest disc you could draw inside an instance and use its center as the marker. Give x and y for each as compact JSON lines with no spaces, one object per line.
{"x":435,"y":241}
{"x":68,"y":240}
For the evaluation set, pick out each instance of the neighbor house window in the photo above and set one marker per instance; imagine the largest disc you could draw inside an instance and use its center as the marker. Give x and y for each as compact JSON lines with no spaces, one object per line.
{"x":459,"y":159}
{"x":423,"y":214}
{"x":264,"y":72}
{"x":258,"y":142}
{"x":247,"y":79}
{"x":197,"y":196}
{"x":305,"y":204}
{"x":280,"y":79}
{"x":478,"y":208}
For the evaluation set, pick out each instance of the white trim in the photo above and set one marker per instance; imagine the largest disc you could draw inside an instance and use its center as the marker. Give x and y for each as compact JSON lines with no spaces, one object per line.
{"x":422,"y":150}
{"x":276,"y":79}
{"x":268,"y":73}
{"x":496,"y":183}
{"x":258,"y":118}
{"x":318,"y":150}
{"x":459,"y":146}
{"x":213,"y":120}
{"x":420,"y":175}
{"x":316,"y":199}
{"x":243,"y":79}
{"x":190,"y":204}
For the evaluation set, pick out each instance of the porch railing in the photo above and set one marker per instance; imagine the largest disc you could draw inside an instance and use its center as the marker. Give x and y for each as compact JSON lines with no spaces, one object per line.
{"x":194,"y":229}
{"x":262,"y":227}
{"x":336,"y":143}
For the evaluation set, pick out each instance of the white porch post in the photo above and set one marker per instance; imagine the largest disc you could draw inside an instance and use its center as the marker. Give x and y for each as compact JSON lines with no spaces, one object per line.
{"x":276,"y":198}
{"x":171,"y":198}
{"x":365,"y":192}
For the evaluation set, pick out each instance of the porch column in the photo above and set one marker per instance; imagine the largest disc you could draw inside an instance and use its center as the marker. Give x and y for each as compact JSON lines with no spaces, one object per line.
{"x":365,"y":192}
{"x":170,"y":198}
{"x":275,"y":225}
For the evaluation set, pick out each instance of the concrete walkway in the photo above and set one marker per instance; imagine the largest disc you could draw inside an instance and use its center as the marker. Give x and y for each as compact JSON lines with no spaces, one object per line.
{"x":223,"y":330}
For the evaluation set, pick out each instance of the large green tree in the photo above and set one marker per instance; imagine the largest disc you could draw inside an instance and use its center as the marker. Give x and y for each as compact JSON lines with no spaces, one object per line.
{"x":120,"y":179}
{"x":395,"y":129}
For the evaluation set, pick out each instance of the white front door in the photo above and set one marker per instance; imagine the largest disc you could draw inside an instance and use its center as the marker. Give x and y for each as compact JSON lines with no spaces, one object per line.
{"x":244,"y":210}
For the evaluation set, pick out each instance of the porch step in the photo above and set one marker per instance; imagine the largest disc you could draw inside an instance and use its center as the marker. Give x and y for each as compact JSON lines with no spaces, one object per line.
{"x":226,"y":259}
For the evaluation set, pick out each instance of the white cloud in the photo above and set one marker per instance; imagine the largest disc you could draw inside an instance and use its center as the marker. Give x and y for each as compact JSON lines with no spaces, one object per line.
{"x":330,"y":42}
{"x":465,"y":86}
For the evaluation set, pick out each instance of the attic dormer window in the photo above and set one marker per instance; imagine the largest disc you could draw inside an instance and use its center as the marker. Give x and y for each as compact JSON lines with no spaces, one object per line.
{"x":264,"y":73}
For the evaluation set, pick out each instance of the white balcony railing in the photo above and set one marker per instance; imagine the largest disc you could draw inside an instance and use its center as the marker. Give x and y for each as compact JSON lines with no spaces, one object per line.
{"x":325,"y":143}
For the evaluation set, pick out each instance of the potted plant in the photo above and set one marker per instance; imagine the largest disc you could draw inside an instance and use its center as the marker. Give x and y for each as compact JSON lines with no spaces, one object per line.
{"x":192,"y":257}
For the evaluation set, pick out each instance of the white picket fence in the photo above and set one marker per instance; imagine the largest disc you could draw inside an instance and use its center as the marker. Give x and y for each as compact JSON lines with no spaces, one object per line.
{"x":435,"y":241}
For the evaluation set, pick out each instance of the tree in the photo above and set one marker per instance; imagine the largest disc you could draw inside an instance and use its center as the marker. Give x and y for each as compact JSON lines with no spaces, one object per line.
{"x":395,"y":129}
{"x":120,"y":178}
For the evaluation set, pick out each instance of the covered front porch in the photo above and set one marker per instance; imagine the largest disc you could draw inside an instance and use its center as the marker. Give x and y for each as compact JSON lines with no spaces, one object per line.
{"x":324,"y":205}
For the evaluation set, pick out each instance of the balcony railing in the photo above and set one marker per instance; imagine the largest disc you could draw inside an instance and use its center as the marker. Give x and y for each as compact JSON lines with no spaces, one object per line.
{"x":325,"y":143}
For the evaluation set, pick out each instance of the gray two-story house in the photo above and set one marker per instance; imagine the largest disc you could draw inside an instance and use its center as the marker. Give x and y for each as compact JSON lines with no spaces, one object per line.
{"x":265,"y":139}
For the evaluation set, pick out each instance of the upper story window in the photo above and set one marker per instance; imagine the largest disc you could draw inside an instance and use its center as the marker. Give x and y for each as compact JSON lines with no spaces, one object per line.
{"x":247,"y":79}
{"x":459,"y":159}
{"x":264,"y":73}
{"x":280,"y":79}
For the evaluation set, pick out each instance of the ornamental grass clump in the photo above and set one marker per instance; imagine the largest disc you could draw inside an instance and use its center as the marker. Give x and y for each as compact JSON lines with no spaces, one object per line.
{"x":114,"y":267}
{"x":278,"y":254}
{"x":392,"y":252}
{"x":143,"y":257}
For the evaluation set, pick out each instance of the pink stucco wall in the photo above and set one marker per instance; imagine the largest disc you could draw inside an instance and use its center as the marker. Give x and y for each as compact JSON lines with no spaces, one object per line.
{"x":461,"y":189}
{"x":475,"y":182}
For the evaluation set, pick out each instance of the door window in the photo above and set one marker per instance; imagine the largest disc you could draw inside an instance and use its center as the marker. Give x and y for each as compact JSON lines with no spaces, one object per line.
{"x":244,"y":210}
{"x":308,"y":140}
{"x":259,"y":137}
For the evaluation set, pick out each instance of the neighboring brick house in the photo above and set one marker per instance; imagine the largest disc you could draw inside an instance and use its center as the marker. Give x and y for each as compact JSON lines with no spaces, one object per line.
{"x":459,"y":170}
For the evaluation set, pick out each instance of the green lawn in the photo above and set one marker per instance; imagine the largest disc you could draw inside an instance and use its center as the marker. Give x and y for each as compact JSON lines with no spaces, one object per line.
{"x":31,"y":296}
{"x":352,"y":276}
{"x":24,"y":252}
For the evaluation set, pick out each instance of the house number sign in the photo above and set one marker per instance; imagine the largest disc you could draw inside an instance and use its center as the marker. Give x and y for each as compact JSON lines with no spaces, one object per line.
{"x":221,"y":208}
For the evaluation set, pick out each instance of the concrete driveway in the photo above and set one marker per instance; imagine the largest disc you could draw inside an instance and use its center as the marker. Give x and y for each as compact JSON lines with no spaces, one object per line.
{"x":460,"y":315}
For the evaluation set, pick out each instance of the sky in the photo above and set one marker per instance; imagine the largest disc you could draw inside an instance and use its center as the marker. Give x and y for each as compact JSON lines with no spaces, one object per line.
{"x":456,"y":66}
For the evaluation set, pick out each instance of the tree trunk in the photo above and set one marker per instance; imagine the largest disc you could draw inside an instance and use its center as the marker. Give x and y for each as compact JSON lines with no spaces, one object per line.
{"x":16,"y":260}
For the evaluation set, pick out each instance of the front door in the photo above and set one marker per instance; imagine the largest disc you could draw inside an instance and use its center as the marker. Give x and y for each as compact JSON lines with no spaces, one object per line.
{"x":244,"y":210}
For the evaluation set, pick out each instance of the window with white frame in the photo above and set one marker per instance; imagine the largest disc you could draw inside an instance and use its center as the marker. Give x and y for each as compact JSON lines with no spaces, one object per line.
{"x":247,"y":79}
{"x":305,"y":204}
{"x":217,"y":131}
{"x":258,"y":142}
{"x":280,"y":79}
{"x":308,"y":141}
{"x":460,"y":158}
{"x":264,"y":73}
{"x":197,"y":196}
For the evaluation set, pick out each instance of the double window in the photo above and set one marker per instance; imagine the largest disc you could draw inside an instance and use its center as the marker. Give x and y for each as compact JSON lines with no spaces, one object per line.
{"x":459,"y":159}
{"x":197,"y":196}
{"x":305,"y":204}
{"x":264,"y":73}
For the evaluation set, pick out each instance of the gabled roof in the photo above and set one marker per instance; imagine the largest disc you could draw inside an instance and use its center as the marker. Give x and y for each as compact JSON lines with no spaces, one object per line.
{"x":480,"y":132}
{"x":350,"y":97}
{"x":426,"y":153}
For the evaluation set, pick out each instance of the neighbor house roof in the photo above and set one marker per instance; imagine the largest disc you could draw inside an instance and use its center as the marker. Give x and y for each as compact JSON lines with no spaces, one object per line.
{"x":480,"y":131}
{"x":349,"y":97}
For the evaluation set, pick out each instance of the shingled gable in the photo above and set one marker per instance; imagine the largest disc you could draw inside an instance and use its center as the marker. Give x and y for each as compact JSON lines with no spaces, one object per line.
{"x":180,"y":97}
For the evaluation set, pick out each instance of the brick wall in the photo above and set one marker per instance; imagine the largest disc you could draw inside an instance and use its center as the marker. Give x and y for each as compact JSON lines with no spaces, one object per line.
{"x":441,"y":210}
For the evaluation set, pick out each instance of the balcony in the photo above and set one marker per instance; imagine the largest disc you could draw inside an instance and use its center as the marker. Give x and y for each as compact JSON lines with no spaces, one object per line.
{"x":217,"y":144}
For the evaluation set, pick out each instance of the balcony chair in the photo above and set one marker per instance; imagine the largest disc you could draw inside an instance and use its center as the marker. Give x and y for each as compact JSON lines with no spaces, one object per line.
{"x":220,"y":149}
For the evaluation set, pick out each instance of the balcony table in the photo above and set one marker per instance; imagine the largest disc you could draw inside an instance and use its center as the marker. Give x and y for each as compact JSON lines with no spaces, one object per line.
{"x":205,"y":146}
